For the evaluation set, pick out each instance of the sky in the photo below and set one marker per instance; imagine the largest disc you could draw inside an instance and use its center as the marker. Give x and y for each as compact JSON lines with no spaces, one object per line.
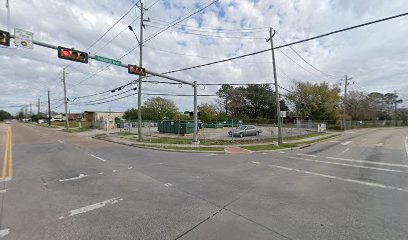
{"x":376,"y":56}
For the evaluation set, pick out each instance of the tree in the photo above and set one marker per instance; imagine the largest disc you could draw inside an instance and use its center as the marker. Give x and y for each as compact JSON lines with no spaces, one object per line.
{"x":225,"y":93}
{"x":383,"y":104}
{"x":208,"y":112}
{"x":316,"y":101}
{"x":252,"y":101}
{"x":4,"y":115}
{"x":130,"y":114}
{"x":158,"y":108}
{"x":358,"y":106}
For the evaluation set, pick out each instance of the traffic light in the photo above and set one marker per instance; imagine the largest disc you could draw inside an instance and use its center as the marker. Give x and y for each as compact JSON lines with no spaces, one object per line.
{"x":132,"y":69}
{"x":73,"y":55}
{"x":4,"y":38}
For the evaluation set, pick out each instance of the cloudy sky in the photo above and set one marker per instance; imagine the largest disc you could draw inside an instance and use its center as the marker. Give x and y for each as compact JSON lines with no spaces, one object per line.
{"x":375,"y":56}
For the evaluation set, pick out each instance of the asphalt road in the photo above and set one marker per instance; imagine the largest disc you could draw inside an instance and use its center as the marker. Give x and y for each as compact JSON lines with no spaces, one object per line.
{"x":65,"y":186}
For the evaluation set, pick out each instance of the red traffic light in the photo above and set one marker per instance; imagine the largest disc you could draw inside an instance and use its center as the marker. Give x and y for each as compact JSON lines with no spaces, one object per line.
{"x":4,"y":38}
{"x":132,"y":69}
{"x":73,"y":55}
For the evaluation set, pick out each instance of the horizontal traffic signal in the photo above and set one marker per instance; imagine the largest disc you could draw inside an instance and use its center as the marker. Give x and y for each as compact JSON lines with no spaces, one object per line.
{"x":132,"y":69}
{"x":4,"y":38}
{"x":73,"y":55}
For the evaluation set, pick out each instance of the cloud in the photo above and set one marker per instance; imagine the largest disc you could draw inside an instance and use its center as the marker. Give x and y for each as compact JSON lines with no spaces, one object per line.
{"x":374,"y":55}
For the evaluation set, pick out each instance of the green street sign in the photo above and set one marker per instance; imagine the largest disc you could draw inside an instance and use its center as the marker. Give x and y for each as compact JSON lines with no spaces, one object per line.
{"x":107,"y":60}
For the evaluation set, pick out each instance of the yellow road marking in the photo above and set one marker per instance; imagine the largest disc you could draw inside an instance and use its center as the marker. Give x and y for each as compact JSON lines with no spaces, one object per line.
{"x":8,"y":156}
{"x":6,"y":148}
{"x":10,"y":173}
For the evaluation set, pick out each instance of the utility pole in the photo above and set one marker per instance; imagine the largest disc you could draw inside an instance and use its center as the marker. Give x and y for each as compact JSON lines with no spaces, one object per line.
{"x":346,"y":82}
{"x":38,"y":111}
{"x":49,"y":108}
{"x":8,"y":15}
{"x":139,"y":94}
{"x":31,"y":111}
{"x":65,"y":99}
{"x":395,"y":104}
{"x":278,"y":113}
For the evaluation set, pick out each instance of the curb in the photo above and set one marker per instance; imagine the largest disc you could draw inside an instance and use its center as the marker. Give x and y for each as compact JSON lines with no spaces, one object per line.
{"x":159,"y":149}
{"x":217,"y":152}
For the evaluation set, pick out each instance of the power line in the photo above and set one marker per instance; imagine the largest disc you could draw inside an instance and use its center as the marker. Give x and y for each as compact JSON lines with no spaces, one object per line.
{"x":297,"y":53}
{"x":182,"y":19}
{"x":262,"y":51}
{"x":153,"y":4}
{"x":259,"y":29}
{"x":108,"y":97}
{"x":149,"y":38}
{"x":207,"y":35}
{"x":107,"y":31}
{"x":291,"y":59}
{"x":290,"y":44}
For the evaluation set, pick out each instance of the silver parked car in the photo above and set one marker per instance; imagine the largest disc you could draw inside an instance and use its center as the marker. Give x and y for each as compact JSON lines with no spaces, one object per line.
{"x":245,"y":130}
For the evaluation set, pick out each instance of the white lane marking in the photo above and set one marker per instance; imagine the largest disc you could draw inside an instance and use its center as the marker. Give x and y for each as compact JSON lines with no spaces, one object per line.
{"x":168,"y":184}
{"x":160,"y":163}
{"x":4,"y":232}
{"x":3,"y":190}
{"x":346,"y":143}
{"x":341,"y":179}
{"x":334,"y":141}
{"x":345,"y":150}
{"x":115,"y":170}
{"x":307,"y":155}
{"x":379,"y":144}
{"x":103,"y":160}
{"x":255,"y":162}
{"x":101,"y":173}
{"x":370,"y":162}
{"x":91,"y":207}
{"x":406,"y":144}
{"x":74,"y":178}
{"x":60,"y":141}
{"x":211,"y":154}
{"x":130,"y":168}
{"x":281,"y":152}
{"x":349,"y":165}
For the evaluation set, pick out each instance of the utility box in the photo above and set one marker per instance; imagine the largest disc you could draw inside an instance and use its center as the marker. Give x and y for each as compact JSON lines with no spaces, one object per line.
{"x":231,"y":123}
{"x":213,"y":125}
{"x":176,"y":127}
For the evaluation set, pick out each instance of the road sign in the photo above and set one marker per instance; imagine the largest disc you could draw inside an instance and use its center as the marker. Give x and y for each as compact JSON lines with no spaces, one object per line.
{"x":108,"y":60}
{"x":283,"y":114}
{"x":23,"y":38}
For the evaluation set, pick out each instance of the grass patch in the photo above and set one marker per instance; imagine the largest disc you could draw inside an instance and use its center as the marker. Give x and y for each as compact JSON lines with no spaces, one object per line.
{"x":220,"y":149}
{"x":207,"y":141}
{"x":168,"y":140}
{"x":269,"y":147}
{"x":318,"y":140}
{"x":126,"y":134}
{"x":77,"y":130}
{"x":72,"y":124}
{"x":310,"y":135}
{"x":48,"y":126}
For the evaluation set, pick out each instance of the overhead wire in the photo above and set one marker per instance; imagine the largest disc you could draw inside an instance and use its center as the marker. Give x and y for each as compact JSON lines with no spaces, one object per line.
{"x":303,"y":59}
{"x":285,"y":45}
{"x":291,"y":44}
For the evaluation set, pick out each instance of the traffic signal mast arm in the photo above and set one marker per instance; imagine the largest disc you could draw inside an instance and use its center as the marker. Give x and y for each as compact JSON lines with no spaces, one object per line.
{"x":42,"y":44}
